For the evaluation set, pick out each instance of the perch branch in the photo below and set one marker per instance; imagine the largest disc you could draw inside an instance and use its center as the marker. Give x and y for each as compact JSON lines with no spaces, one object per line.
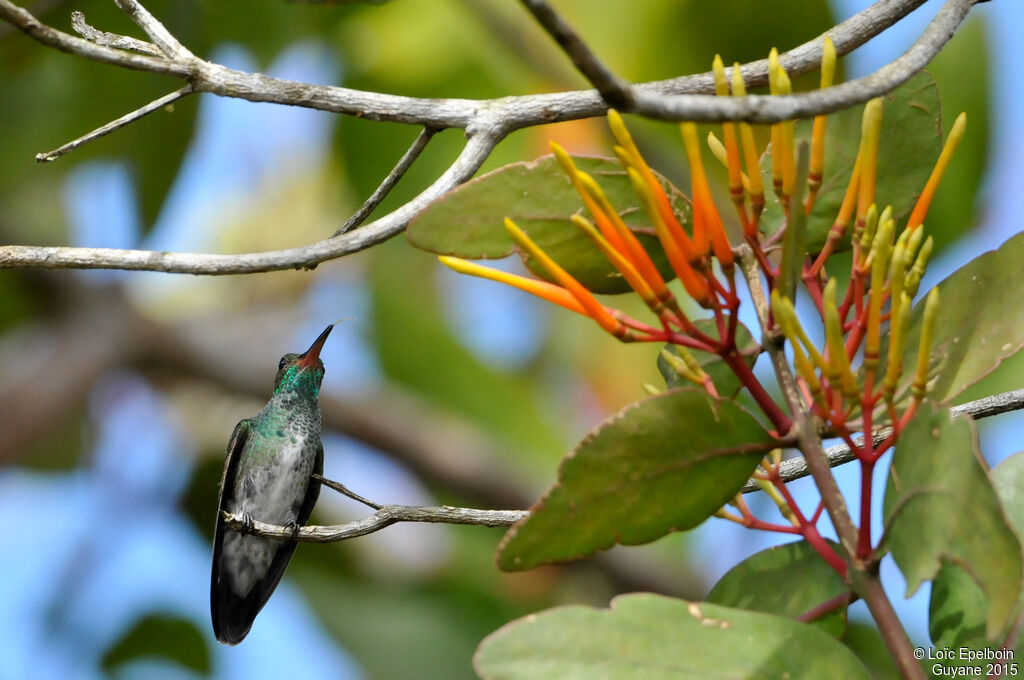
{"x":385,"y":517}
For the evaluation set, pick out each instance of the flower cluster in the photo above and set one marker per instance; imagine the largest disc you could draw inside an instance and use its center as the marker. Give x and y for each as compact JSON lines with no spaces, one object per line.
{"x":884,"y":277}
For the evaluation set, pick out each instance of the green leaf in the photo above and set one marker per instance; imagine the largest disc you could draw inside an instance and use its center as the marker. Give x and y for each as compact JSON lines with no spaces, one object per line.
{"x":468,"y":221}
{"x":941,"y":508}
{"x":978,"y":325}
{"x":164,"y":637}
{"x":663,"y":464}
{"x":651,"y":637}
{"x":724,"y":379}
{"x":957,"y":609}
{"x":910,"y":144}
{"x":865,"y":641}
{"x":786,"y":580}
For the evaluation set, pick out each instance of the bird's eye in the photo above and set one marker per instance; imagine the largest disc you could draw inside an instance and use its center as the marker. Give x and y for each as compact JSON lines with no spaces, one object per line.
{"x":280,"y":365}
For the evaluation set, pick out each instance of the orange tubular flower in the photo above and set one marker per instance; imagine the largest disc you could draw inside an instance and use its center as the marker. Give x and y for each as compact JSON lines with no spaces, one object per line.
{"x":756,"y":189}
{"x":594,"y":309}
{"x":576,"y":177}
{"x":621,"y":263}
{"x":703,"y":204}
{"x":634,"y":251}
{"x":629,"y":155}
{"x":732,"y":150}
{"x":817,"y":168}
{"x":542,"y":289}
{"x":694,"y":284}
{"x":925,"y":200}
{"x":867,"y":157}
{"x":783,"y":159}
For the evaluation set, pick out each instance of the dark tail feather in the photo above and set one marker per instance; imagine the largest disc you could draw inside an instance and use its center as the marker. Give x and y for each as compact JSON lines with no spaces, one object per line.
{"x":233,"y":615}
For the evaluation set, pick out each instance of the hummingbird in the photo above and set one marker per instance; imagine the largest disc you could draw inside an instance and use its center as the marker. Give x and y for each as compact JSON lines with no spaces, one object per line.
{"x":268,"y":476}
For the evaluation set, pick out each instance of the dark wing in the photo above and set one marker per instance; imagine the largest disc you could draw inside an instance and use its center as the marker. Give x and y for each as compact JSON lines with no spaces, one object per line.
{"x":313,"y":490}
{"x":218,"y":592}
{"x":233,"y":615}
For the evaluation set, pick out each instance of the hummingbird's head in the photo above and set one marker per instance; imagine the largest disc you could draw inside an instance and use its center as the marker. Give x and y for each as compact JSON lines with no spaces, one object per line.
{"x":302,"y":372}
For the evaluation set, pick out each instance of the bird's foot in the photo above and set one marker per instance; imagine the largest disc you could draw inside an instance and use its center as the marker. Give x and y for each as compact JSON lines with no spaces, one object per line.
{"x":294,"y":528}
{"x":248,"y":523}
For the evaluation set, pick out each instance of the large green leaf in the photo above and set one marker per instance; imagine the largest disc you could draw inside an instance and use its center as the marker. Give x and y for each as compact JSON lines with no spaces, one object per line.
{"x":864,"y":640}
{"x":941,"y":508}
{"x":663,"y":464}
{"x":162,"y":637}
{"x":786,"y":580}
{"x":651,"y":637}
{"x":957,"y":608}
{"x":979,"y":323}
{"x":725,"y":381}
{"x":910,"y":143}
{"x":468,"y":221}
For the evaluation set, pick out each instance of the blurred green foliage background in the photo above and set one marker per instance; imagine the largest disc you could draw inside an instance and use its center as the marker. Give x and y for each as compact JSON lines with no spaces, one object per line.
{"x":442,"y":390}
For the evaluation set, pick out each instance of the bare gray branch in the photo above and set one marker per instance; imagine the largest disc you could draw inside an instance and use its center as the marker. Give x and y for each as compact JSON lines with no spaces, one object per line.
{"x":485,"y":122}
{"x":385,"y":517}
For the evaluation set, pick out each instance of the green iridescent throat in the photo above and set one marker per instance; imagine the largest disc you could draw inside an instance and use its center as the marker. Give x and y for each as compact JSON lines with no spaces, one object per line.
{"x":295,"y":379}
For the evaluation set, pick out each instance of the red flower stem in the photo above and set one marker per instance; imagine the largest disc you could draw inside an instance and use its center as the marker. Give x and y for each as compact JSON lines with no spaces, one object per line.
{"x":821,"y":546}
{"x":817,"y":512}
{"x":678,"y":339}
{"x":780,"y":420}
{"x":814,"y":289}
{"x":855,"y":337}
{"x":828,"y":606}
{"x":630,"y":322}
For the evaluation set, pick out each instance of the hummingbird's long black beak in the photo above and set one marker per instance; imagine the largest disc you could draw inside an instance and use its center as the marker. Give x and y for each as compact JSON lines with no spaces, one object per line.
{"x":309,"y":358}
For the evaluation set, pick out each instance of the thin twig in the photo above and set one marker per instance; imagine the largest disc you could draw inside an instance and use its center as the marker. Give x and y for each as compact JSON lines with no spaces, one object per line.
{"x":828,"y":606}
{"x":403,"y":165}
{"x":613,"y":89}
{"x":344,"y":490}
{"x":149,"y":108}
{"x":156,"y":31}
{"x":796,"y":468}
{"x":121,"y":42}
{"x":385,"y":517}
